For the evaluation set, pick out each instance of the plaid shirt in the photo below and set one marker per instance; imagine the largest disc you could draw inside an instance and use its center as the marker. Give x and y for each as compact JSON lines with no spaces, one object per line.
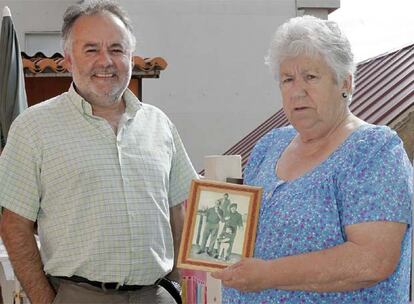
{"x":101,"y":199}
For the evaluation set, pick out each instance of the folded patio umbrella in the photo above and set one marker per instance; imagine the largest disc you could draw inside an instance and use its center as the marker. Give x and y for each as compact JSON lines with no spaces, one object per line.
{"x":12,"y":89}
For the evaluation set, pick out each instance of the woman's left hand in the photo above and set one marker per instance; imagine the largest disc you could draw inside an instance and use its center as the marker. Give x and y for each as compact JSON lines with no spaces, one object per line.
{"x":247,"y":275}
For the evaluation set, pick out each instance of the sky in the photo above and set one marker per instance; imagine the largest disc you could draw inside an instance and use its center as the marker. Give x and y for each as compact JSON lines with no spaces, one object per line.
{"x":375,"y":27}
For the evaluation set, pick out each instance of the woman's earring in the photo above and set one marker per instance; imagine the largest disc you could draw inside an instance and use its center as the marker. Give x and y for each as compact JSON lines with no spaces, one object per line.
{"x":344,"y":95}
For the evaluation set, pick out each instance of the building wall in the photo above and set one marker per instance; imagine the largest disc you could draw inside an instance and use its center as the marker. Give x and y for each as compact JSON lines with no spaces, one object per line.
{"x":216,"y":88}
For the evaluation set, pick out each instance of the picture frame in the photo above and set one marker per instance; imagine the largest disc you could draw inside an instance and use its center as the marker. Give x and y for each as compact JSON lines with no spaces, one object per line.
{"x":220,"y":225}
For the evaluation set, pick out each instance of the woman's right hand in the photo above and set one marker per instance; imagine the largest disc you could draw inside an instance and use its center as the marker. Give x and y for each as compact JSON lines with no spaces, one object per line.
{"x":247,"y":275}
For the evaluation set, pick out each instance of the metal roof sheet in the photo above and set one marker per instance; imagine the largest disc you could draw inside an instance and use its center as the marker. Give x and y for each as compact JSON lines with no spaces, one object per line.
{"x":384,"y":89}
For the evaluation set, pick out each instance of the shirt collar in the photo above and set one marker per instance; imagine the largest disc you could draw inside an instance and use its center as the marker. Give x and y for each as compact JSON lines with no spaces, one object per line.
{"x":132,"y":103}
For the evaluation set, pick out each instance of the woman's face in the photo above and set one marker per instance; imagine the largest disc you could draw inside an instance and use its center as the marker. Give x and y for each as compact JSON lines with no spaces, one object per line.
{"x":312,"y":99}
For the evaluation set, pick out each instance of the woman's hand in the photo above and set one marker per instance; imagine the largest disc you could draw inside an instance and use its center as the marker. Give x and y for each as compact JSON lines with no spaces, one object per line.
{"x":247,"y":275}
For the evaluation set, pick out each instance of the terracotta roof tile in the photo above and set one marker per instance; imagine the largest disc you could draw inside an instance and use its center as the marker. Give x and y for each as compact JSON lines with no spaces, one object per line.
{"x":148,"y":64}
{"x":384,"y":89}
{"x":39,"y":63}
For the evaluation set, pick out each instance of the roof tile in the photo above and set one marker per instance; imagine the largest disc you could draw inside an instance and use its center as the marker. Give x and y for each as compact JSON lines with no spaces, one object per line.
{"x":39,"y":63}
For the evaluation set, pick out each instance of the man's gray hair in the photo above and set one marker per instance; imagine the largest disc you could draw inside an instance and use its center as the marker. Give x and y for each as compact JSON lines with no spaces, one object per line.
{"x":90,"y":8}
{"x":311,"y":36}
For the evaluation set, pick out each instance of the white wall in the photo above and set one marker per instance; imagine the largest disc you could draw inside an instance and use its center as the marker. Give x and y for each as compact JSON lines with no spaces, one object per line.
{"x":216,"y":88}
{"x":35,"y":16}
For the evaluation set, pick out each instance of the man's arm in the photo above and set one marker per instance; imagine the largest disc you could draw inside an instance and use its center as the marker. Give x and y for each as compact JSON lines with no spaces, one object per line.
{"x":18,"y":237}
{"x":370,"y":255}
{"x":177,"y":222}
{"x":240,"y":221}
{"x":220,"y":213}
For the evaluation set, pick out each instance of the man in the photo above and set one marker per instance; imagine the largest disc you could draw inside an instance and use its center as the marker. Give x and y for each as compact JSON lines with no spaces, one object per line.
{"x":233,"y":220}
{"x":214,"y":216}
{"x":225,"y":204}
{"x":223,"y":244}
{"x":102,"y":174}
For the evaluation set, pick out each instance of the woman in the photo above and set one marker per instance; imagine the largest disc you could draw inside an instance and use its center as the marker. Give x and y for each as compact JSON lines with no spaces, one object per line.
{"x":334,"y":224}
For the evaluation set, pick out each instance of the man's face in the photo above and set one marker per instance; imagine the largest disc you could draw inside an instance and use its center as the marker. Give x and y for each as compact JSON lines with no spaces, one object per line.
{"x":100,"y":58}
{"x":233,"y":209}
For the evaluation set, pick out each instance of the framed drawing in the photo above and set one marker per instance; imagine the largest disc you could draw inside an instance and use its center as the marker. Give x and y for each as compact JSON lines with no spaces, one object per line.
{"x":220,"y":225}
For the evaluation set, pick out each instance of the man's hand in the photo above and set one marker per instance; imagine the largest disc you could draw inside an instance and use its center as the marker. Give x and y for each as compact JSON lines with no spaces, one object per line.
{"x":174,"y":275}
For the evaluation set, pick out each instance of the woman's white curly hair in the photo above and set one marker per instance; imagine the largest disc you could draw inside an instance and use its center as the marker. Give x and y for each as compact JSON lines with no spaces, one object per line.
{"x":311,"y":36}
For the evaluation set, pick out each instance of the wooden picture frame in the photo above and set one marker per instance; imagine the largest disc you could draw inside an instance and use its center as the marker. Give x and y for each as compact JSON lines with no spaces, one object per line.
{"x":219,"y":226}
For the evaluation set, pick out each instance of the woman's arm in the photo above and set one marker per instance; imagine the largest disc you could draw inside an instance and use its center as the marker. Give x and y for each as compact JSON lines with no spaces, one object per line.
{"x":369,"y":256}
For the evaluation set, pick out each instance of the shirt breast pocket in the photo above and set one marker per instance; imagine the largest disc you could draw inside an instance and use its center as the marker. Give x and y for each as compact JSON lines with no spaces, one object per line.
{"x":149,"y":163}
